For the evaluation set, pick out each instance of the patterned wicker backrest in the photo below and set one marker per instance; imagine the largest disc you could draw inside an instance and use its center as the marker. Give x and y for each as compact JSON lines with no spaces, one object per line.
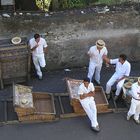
{"x":15,"y":61}
{"x":22,"y":96}
{"x":73,"y":86}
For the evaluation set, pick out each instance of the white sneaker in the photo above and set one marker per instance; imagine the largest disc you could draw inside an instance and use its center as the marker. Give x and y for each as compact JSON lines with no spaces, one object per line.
{"x":40,"y":77}
{"x":128,"y":118}
{"x":137,"y":121}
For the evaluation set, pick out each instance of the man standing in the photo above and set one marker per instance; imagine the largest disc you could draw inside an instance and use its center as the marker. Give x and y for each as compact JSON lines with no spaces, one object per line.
{"x":96,"y":54}
{"x":87,"y":92}
{"x":135,"y":102}
{"x":122,"y":70}
{"x":38,"y":46}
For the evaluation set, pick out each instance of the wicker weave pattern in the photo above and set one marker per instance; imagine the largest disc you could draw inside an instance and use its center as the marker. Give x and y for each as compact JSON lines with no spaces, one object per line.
{"x":15,"y":62}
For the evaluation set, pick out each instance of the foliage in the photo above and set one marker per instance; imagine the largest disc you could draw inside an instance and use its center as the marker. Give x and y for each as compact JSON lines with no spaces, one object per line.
{"x":72,"y":3}
{"x":108,"y":2}
{"x":67,"y":4}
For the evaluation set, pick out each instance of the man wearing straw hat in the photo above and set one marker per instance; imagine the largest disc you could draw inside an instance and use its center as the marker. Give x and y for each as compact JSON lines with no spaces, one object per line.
{"x":38,"y":46}
{"x":135,"y":102}
{"x":96,"y":54}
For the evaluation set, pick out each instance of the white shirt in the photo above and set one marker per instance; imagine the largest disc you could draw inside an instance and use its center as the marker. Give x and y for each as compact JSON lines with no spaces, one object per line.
{"x":83,"y":90}
{"x":135,"y":89}
{"x":42,"y":44}
{"x":121,"y":69}
{"x":95,"y":56}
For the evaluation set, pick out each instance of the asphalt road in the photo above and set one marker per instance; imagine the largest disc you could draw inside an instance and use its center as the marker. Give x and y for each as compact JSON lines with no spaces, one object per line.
{"x":113,"y":127}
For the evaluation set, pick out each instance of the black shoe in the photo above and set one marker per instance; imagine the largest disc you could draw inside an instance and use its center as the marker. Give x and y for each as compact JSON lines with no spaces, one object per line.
{"x":96,"y":129}
{"x":108,"y":96}
{"x":97,"y":83}
{"x":116,"y":98}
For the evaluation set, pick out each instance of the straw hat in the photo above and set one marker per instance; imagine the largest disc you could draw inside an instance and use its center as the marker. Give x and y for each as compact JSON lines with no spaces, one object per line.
{"x":100,"y":43}
{"x":128,"y":85}
{"x":16,"y":40}
{"x":24,"y":101}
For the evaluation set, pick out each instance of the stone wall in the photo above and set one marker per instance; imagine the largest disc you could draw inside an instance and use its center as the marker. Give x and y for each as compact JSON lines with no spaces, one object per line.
{"x":69,"y":36}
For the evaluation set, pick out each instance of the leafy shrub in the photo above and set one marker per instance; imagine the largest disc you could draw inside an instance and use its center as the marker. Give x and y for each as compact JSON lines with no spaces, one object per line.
{"x":72,"y":3}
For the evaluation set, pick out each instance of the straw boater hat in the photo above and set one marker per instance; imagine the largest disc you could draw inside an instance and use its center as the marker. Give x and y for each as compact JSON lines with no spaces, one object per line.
{"x":16,"y":40}
{"x":24,"y":101}
{"x":128,"y":85}
{"x":100,"y":43}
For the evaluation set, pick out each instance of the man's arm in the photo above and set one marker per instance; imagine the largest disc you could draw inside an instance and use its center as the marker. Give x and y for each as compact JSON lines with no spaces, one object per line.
{"x":106,"y":59}
{"x":118,"y":80}
{"x":33,"y":48}
{"x":90,"y":94}
{"x":127,"y":73}
{"x":45,"y":46}
{"x":45,"y":50}
{"x":135,"y":92}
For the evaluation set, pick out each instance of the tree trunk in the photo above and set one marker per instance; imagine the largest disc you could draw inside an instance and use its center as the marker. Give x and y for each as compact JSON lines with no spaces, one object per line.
{"x":55,"y":5}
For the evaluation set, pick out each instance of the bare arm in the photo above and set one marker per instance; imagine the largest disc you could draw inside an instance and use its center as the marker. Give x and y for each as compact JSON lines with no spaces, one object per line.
{"x":106,"y":59}
{"x":45,"y":50}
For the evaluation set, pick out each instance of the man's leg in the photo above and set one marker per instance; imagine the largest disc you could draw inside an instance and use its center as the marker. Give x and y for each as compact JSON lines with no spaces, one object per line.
{"x":136,"y":116}
{"x":119,"y":87}
{"x":109,"y":84}
{"x":94,"y":121}
{"x":37,"y":66}
{"x":137,"y":113}
{"x":132,"y":109}
{"x":91,"y":70}
{"x":97,"y":73}
{"x":42,"y":62}
{"x":86,"y":106}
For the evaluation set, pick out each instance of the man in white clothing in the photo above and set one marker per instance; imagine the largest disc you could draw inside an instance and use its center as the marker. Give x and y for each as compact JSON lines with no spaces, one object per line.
{"x":122,"y":71}
{"x":87,"y":92}
{"x":135,"y":102}
{"x":96,"y":54}
{"x":38,"y":46}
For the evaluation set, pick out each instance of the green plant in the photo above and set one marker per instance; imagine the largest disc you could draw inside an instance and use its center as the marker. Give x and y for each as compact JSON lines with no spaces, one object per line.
{"x":72,"y":3}
{"x":108,"y":2}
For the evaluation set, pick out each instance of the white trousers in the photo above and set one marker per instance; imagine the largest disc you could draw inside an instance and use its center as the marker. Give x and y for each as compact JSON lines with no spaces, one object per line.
{"x":94,"y":68}
{"x":134,"y":109}
{"x":89,"y":106}
{"x":39,"y":61}
{"x":111,"y":82}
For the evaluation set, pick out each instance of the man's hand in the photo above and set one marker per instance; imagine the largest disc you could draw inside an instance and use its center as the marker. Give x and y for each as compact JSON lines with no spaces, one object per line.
{"x":106,"y":59}
{"x":138,"y":94}
{"x":34,"y":47}
{"x":83,"y":96}
{"x":91,"y":93}
{"x":118,"y":80}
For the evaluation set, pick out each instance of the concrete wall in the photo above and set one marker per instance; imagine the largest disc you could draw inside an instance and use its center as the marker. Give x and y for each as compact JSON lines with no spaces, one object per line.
{"x":70,"y":35}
